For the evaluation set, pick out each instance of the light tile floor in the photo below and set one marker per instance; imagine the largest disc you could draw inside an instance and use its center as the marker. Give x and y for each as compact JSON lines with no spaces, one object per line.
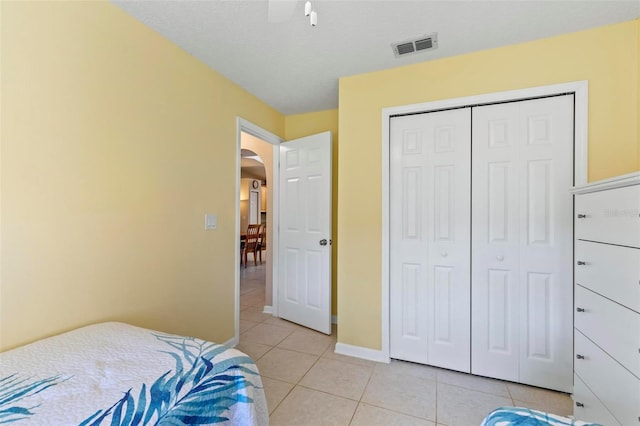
{"x":306,"y":383}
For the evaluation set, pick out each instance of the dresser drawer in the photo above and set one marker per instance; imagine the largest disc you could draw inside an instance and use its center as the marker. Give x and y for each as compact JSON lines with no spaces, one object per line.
{"x":614,"y":328}
{"x":587,"y":407}
{"x":611,"y":216}
{"x":616,"y":387}
{"x":612,"y":271}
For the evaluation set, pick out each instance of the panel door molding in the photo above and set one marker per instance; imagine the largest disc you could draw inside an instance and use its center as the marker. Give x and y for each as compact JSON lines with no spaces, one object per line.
{"x":429,"y":267}
{"x":522,"y":241}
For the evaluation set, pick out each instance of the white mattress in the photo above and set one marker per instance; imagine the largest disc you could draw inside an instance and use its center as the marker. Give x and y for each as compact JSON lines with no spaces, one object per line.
{"x":114,"y":373}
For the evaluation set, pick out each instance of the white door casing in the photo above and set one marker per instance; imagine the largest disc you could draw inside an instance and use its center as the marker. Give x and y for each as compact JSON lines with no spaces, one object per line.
{"x":522,"y":225}
{"x":429,"y":265}
{"x":304,"y":284}
{"x":245,"y":126}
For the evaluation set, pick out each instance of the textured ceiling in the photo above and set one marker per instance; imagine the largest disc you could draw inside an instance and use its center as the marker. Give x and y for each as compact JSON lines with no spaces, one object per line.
{"x":295,"y":67}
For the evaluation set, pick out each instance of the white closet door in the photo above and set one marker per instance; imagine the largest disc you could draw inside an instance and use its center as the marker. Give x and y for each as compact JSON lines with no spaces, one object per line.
{"x":429,"y":228}
{"x":495,"y":242}
{"x":522,"y":242}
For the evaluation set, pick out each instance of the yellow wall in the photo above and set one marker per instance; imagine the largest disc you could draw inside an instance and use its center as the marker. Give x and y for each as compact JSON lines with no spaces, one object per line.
{"x":607,"y":57}
{"x":300,"y":125}
{"x":115,"y":143}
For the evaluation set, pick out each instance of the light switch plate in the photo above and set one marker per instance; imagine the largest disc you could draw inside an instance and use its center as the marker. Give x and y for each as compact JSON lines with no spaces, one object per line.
{"x":210,"y":221}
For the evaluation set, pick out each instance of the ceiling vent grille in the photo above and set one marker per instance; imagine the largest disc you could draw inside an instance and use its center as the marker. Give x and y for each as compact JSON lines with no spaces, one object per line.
{"x":416,"y":45}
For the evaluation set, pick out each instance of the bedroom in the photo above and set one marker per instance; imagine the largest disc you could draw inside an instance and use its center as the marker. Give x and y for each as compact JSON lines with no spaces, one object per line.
{"x":102,"y":202}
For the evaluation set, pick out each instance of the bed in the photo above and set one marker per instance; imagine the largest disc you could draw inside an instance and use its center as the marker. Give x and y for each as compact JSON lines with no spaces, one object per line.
{"x":507,"y":416}
{"x":117,"y":374}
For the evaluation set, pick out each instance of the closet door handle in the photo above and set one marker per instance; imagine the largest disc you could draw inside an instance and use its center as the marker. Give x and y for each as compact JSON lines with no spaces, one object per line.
{"x":582,"y":216}
{"x":581,"y":263}
{"x":579,"y":309}
{"x":578,"y":356}
{"x":579,"y":404}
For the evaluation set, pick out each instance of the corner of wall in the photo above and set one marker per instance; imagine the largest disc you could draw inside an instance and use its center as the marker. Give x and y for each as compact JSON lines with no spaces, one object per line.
{"x":309,"y":123}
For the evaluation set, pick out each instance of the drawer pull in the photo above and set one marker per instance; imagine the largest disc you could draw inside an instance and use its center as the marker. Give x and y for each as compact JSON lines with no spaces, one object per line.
{"x":579,"y":309}
{"x":579,"y":404}
{"x":579,"y":356}
{"x":581,"y":262}
{"x":582,"y":216}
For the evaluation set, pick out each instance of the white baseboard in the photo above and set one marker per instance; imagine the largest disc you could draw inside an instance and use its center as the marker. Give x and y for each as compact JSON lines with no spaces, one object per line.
{"x":334,"y":319}
{"x":267,"y":309}
{"x":233,"y":342}
{"x":361,"y":352}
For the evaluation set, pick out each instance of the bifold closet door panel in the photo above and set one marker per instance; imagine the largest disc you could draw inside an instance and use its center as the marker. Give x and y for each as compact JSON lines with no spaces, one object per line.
{"x":546,"y":243}
{"x":495,"y":239}
{"x":429,"y":238}
{"x":522,"y":241}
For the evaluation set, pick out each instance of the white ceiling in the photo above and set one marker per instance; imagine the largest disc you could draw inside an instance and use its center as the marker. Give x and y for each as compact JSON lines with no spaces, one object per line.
{"x":295,"y":67}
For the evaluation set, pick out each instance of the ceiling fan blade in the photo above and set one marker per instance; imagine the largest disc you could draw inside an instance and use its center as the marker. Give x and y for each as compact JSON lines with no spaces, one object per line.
{"x":280,"y":10}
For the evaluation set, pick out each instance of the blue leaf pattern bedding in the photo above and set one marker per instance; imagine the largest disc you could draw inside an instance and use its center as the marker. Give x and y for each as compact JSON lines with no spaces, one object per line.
{"x":116,"y":374}
{"x":518,"y":416}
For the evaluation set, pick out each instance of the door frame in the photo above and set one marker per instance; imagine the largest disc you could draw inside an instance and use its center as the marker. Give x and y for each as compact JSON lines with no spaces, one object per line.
{"x":581,"y":104}
{"x":245,"y":126}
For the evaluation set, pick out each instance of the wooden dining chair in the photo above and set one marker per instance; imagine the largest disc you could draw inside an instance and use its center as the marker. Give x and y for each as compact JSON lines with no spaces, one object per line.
{"x":252,"y":243}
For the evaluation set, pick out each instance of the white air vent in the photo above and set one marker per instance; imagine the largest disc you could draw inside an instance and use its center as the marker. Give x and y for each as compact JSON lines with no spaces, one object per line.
{"x":416,"y":45}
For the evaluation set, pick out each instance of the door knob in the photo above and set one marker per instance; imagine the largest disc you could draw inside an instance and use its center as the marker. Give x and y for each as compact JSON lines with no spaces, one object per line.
{"x":580,"y":309}
{"x":581,"y":262}
{"x":444,"y":254}
{"x":500,"y":258}
{"x":582,"y":216}
{"x":323,"y":242}
{"x":579,"y":404}
{"x":578,"y":356}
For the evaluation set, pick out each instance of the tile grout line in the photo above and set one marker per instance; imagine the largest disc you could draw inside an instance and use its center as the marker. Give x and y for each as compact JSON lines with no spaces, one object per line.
{"x":373,"y":371}
{"x":390,"y":409}
{"x":296,"y":384}
{"x":437,"y":383}
{"x":513,"y":401}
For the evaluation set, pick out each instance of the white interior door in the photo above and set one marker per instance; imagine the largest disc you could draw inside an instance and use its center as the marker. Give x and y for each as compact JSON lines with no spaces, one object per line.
{"x":522,"y":246}
{"x":429,"y":237}
{"x":304,"y":285}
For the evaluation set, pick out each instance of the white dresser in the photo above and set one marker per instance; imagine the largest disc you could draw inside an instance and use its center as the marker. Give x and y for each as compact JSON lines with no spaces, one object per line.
{"x":607,"y":301}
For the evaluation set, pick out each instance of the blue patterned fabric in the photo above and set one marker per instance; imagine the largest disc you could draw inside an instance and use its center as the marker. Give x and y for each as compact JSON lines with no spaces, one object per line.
{"x":518,"y":416}
{"x":198,"y":393}
{"x":15,"y":392}
{"x":118,"y":375}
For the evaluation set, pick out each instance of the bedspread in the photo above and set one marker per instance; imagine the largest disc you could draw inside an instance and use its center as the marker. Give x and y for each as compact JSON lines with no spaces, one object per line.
{"x":117,"y":374}
{"x":507,"y":416}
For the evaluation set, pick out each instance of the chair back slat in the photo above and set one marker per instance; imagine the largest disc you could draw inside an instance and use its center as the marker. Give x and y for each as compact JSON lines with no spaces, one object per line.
{"x":253,"y":235}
